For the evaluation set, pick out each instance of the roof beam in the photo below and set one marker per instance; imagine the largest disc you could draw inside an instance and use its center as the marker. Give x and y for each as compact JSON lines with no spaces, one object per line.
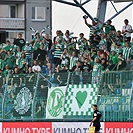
{"x":113,"y":6}
{"x":66,"y":2}
{"x":121,"y":11}
{"x":85,"y":2}
{"x":83,"y":9}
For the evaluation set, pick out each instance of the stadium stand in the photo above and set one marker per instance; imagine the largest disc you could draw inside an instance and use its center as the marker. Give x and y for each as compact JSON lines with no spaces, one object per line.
{"x":101,"y":66}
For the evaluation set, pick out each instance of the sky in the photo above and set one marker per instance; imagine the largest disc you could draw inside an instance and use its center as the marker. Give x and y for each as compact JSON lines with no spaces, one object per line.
{"x":69,"y":17}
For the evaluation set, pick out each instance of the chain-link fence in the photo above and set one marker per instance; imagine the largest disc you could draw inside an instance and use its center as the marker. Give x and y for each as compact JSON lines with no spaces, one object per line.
{"x":31,"y":97}
{"x":115,"y":96}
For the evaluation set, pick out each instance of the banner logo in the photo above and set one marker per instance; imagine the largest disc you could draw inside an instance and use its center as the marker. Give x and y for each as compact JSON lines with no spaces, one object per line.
{"x":23,"y":101}
{"x":55,"y":102}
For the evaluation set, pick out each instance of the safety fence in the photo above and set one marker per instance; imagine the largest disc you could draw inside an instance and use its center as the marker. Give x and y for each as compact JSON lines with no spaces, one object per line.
{"x":66,"y":96}
{"x":116,"y":96}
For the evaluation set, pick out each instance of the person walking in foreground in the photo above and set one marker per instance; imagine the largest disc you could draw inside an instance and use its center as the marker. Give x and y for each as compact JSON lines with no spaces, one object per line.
{"x":96,"y":118}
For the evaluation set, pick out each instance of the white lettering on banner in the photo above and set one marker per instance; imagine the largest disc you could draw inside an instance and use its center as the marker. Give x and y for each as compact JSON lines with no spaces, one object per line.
{"x":6,"y":130}
{"x":33,"y":129}
{"x":40,"y":130}
{"x":26,"y":130}
{"x":118,"y":130}
{"x":73,"y":130}
{"x":17,"y":130}
{"x":22,"y":130}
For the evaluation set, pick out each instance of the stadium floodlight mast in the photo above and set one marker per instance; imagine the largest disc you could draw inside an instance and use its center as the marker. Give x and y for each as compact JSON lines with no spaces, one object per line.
{"x":101,"y":10}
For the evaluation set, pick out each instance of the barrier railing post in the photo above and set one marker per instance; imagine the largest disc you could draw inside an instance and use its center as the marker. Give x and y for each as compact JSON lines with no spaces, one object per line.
{"x":33,"y":102}
{"x":3,"y":101}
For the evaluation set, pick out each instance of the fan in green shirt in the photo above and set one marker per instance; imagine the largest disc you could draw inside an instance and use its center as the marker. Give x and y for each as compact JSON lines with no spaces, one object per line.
{"x":2,"y":63}
{"x":109,"y":28}
{"x":118,"y":48}
{"x":103,"y":41}
{"x":81,"y":35}
{"x":9,"y":59}
{"x":96,"y":72}
{"x":22,"y":63}
{"x":93,"y":27}
{"x":37,"y":36}
{"x":96,"y":68}
{"x":37,"y":44}
{"x":113,"y":57}
{"x":6,"y":71}
{"x":82,"y":43}
{"x":8,"y":46}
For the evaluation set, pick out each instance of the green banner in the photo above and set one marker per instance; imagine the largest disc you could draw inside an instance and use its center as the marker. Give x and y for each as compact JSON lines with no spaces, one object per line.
{"x":19,"y":96}
{"x":23,"y":102}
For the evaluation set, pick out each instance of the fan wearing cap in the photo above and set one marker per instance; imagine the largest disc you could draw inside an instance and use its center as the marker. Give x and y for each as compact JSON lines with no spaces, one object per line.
{"x":96,"y":118}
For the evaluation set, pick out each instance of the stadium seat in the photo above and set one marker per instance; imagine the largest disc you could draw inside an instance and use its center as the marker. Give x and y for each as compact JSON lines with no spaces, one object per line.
{"x":115,"y":107}
{"x":102,"y":100}
{"x":129,"y":84}
{"x":123,"y":99}
{"x":108,"y":111}
{"x":117,"y":91}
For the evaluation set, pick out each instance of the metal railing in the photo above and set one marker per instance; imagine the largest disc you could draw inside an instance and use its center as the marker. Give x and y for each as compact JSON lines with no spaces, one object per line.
{"x":115,"y":96}
{"x":24,"y":96}
{"x":12,"y":23}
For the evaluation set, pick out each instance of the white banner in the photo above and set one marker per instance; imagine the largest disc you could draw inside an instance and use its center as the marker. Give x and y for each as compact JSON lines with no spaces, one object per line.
{"x":79,"y":100}
{"x":73,"y":127}
{"x":0,"y":127}
{"x":55,"y":103}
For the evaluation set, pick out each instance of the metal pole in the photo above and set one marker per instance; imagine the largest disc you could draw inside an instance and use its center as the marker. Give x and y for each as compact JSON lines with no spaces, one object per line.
{"x":34,"y":97}
{"x":101,"y":11}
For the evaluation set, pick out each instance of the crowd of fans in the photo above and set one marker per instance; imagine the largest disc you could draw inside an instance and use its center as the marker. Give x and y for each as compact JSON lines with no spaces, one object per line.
{"x":105,"y":49}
